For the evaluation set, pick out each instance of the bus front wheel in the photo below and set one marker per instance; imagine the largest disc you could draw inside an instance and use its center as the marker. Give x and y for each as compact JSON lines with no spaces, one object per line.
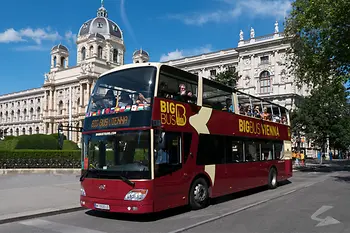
{"x":199,"y":194}
{"x":272,"y":178}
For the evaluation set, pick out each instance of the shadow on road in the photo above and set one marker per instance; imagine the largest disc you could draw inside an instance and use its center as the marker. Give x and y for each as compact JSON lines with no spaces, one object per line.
{"x":323,"y":168}
{"x":176,"y":211}
{"x":342,"y":178}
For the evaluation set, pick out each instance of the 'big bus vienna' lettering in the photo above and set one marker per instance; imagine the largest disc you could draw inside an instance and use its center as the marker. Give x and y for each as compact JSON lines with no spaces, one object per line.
{"x":172,"y":114}
{"x":258,"y":128}
{"x":113,"y":121}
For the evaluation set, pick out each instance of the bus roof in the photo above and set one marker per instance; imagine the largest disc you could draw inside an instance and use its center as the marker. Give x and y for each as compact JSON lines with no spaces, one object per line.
{"x":159,"y":64}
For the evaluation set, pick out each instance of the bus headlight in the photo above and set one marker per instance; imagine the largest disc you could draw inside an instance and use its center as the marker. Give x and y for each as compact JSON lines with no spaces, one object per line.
{"x":82,"y":191}
{"x":136,"y":195}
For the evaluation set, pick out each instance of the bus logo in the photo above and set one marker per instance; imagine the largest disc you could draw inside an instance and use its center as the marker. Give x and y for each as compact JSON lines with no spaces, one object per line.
{"x":102,"y":187}
{"x":172,"y":114}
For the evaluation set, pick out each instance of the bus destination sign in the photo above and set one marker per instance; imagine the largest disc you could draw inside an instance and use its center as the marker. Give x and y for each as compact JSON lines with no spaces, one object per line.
{"x":108,"y":122}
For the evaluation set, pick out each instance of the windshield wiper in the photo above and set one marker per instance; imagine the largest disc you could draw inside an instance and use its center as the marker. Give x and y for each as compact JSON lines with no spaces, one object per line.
{"x":85,"y":173}
{"x":126,"y":180}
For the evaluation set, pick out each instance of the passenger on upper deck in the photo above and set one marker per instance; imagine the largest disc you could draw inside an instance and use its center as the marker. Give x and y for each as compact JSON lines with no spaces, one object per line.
{"x":257,"y":112}
{"x":265,"y":115}
{"x":228,"y":107}
{"x":142,"y":100}
{"x":124,"y":100}
{"x":184,"y":95}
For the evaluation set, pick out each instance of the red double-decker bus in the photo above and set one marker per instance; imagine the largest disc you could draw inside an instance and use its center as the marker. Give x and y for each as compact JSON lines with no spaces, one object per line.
{"x":157,"y":137}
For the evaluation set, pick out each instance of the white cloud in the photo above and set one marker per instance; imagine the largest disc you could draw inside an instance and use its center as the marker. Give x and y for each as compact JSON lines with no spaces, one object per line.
{"x":31,"y":48}
{"x":10,"y":35}
{"x":70,"y":37}
{"x":177,"y":54}
{"x":39,"y":34}
{"x":251,"y":8}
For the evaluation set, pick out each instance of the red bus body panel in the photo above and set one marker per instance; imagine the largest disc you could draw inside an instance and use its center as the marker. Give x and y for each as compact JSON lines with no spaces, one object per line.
{"x":172,"y":190}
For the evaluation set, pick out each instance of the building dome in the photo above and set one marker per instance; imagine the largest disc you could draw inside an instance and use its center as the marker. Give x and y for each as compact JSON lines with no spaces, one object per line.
{"x":96,"y":35}
{"x":59,"y":47}
{"x":140,"y":52}
{"x":101,"y":25}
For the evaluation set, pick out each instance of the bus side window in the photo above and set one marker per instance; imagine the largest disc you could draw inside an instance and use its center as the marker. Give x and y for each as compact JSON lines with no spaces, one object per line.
{"x":168,"y":153}
{"x":187,"y":140}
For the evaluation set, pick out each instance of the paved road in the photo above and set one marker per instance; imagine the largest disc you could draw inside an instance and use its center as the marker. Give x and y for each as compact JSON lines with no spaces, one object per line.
{"x":286,"y":209}
{"x":27,"y":194}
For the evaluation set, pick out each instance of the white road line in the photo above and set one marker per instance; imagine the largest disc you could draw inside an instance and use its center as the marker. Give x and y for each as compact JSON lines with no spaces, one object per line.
{"x":57,"y":227}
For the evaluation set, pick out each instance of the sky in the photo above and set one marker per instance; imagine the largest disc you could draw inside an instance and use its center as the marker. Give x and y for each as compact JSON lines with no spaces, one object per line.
{"x":166,"y":29}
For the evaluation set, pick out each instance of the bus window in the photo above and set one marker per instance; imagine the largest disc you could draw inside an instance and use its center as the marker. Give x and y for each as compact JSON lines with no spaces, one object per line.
{"x":266,"y":150}
{"x":266,"y":113}
{"x":217,"y":97}
{"x":211,"y":149}
{"x":234,"y":150}
{"x":167,"y":153}
{"x":278,"y":149}
{"x":251,"y":151}
{"x":173,"y":86}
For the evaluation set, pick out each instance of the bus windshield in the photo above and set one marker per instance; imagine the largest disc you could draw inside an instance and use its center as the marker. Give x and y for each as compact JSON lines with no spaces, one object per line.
{"x":123,"y":153}
{"x":121,"y":91}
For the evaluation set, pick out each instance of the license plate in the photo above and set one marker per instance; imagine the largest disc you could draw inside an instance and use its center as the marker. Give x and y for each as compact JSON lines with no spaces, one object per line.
{"x":101,"y":206}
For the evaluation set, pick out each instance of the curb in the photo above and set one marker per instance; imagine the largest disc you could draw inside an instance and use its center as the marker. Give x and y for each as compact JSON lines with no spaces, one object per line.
{"x":37,"y":214}
{"x":41,"y":171}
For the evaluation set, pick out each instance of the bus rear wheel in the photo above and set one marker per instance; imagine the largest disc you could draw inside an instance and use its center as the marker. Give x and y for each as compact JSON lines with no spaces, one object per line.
{"x":272,"y":178}
{"x":199,"y":194}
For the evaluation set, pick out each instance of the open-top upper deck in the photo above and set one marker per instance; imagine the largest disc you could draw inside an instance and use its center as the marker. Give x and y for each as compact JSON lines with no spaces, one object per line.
{"x":131,"y":88}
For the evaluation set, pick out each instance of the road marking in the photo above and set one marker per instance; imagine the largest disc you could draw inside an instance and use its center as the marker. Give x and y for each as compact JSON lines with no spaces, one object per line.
{"x":326,"y":221}
{"x":57,"y":227}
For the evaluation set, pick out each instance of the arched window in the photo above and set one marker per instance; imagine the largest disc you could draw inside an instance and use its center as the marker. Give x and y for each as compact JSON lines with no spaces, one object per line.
{"x":17,"y":132}
{"x":99,"y":52}
{"x":31,"y":113}
{"x":91,"y":52}
{"x":115,"y":55}
{"x":265,"y":82}
{"x":83,"y":53}
{"x":37,"y":130}
{"x":60,"y":107}
{"x":54,"y":61}
{"x":63,"y":62}
{"x":38,"y":113}
{"x":11,"y":132}
{"x":30,"y":131}
{"x":23,"y":131}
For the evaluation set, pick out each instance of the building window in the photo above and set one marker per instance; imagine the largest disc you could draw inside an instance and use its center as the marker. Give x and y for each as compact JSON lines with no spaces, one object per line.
{"x":83,"y":53}
{"x":63,"y":62}
{"x":265,"y":82}
{"x":54,"y":61}
{"x":264,"y":60}
{"x":212,"y":72}
{"x":115,"y":55}
{"x":99,"y":52}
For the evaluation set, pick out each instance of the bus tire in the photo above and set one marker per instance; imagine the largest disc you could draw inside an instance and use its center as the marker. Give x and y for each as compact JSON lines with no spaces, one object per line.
{"x":272,"y":180}
{"x":199,"y":194}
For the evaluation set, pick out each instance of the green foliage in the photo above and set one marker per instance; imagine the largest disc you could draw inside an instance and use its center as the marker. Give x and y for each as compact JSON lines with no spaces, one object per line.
{"x":229,"y":77}
{"x":38,"y":141}
{"x":320,"y":44}
{"x":8,"y":144}
{"x":324,"y":113}
{"x":70,"y":145}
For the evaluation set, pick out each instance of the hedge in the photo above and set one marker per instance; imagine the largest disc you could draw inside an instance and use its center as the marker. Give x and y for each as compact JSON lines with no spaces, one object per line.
{"x":40,"y":159}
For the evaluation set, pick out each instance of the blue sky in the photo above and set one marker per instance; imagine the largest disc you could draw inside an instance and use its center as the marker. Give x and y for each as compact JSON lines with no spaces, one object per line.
{"x":167,"y":29}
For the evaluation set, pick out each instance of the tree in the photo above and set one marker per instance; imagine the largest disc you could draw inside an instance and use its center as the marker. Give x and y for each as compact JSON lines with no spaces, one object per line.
{"x":325,"y":113}
{"x":228,"y":77}
{"x":320,"y":46}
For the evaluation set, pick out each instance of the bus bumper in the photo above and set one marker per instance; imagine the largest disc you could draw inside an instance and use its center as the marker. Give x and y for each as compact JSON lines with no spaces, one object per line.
{"x":117,"y":206}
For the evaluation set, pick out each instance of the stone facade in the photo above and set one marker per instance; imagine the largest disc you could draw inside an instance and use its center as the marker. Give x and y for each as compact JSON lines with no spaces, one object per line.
{"x":261,"y":61}
{"x":66,"y":89}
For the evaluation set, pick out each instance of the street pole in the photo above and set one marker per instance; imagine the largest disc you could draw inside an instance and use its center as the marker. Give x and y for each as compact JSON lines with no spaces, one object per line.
{"x":70,"y":113}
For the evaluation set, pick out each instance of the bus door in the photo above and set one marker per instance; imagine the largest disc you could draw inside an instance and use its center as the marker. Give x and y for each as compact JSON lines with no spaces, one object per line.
{"x":169,"y":188}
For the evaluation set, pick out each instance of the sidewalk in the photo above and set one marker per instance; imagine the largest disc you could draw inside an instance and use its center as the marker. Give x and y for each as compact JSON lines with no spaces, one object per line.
{"x":28,"y":195}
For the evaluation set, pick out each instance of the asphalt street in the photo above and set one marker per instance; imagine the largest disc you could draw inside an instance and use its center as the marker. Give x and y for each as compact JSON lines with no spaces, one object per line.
{"x":314,"y":201}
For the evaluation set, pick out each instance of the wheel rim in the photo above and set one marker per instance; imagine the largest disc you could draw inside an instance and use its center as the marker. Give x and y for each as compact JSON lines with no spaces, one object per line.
{"x":200,"y":193}
{"x":274,"y":179}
